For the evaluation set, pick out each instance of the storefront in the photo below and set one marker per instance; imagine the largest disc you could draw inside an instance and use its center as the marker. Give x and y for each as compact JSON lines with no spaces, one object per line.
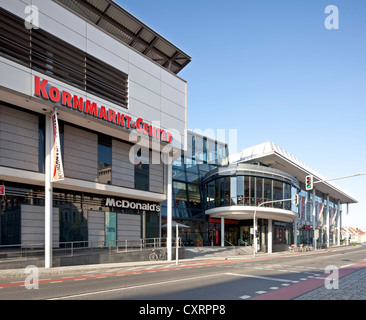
{"x":82,"y":218}
{"x":254,"y":191}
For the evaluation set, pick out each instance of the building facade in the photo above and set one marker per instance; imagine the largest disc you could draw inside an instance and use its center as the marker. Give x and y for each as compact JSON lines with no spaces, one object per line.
{"x":121,"y":109}
{"x":260,"y":180}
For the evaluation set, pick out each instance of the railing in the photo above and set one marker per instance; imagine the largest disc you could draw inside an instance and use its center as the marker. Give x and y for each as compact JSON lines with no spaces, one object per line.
{"x":230,"y":245}
{"x":81,"y":247}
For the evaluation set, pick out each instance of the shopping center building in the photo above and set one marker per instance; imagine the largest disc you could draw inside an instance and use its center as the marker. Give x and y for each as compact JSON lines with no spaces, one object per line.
{"x":122,"y":117}
{"x":121,"y":111}
{"x":217,"y":195}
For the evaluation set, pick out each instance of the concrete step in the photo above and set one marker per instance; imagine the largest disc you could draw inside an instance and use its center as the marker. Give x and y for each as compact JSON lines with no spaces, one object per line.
{"x":200,"y":252}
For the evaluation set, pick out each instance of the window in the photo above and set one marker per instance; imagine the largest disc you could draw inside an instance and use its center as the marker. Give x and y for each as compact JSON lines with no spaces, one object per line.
{"x":246,"y":191}
{"x":267,"y":191}
{"x":259,"y":191}
{"x":210,"y":194}
{"x":240,"y":189}
{"x":287,"y":195}
{"x":142,"y":171}
{"x":104,"y":159}
{"x":233,"y":192}
{"x":41,"y":144}
{"x":277,"y":193}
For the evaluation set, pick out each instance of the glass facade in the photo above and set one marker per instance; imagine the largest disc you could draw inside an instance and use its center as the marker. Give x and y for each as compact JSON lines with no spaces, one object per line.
{"x":203,"y":156}
{"x":249,"y":190}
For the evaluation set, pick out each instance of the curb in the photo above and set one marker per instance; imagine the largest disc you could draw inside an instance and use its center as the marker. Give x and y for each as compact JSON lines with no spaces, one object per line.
{"x":14,"y":273}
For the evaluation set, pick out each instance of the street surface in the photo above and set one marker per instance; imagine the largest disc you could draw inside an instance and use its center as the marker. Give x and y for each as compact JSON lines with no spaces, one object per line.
{"x":282,"y":276}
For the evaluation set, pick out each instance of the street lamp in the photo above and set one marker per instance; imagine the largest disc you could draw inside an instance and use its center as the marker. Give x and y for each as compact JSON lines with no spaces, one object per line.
{"x":295,"y":199}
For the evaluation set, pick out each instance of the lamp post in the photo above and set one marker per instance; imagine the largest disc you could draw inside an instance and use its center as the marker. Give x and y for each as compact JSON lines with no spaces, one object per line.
{"x":295,"y":198}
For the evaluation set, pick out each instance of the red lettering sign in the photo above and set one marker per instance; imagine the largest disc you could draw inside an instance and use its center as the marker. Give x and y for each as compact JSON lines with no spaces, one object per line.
{"x":2,"y":190}
{"x":43,"y":90}
{"x":227,"y":221}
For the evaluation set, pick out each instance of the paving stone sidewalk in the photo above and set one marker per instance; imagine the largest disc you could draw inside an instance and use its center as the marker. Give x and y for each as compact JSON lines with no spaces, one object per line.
{"x":351,"y":287}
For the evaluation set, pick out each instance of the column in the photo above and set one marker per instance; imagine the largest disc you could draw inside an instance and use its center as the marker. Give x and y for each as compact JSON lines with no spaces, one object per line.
{"x":169,"y":211}
{"x":347,"y":218}
{"x":295,"y":232}
{"x":269,"y":236}
{"x":314,"y":220}
{"x":327,"y":221}
{"x":144,"y":225}
{"x":339,"y":223}
{"x":222,"y":232}
{"x":48,"y":193}
{"x":255,"y":240}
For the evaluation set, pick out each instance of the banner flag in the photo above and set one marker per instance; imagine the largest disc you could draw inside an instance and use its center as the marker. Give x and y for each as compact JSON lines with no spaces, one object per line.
{"x":321,"y":208}
{"x":57,"y":169}
{"x":335,"y":212}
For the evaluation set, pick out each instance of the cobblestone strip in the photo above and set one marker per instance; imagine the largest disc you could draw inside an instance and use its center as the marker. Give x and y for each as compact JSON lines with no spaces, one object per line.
{"x":351,"y":287}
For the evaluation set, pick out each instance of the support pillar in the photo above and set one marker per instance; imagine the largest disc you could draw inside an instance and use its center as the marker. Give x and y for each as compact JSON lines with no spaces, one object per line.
{"x":295,"y":232}
{"x":314,"y":220}
{"x":222,"y":232}
{"x":269,"y":236}
{"x":339,"y":223}
{"x":169,"y":212}
{"x":347,"y":218}
{"x":327,"y":221}
{"x":48,"y":193}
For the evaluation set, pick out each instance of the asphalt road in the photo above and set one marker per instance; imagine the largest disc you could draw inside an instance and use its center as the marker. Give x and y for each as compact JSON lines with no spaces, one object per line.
{"x":210,"y":280}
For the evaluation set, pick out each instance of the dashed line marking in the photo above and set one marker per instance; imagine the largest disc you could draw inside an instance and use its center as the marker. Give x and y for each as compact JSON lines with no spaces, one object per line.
{"x":261,"y":292}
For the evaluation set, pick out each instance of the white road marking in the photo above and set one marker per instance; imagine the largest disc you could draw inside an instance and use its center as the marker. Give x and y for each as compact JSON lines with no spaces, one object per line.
{"x":261,"y":292}
{"x":257,"y":277}
{"x":244,"y":297}
{"x":133,"y":287}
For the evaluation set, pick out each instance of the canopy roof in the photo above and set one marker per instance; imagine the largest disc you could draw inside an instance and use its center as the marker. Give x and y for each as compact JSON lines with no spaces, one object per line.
{"x":113,"y":19}
{"x":273,"y":156}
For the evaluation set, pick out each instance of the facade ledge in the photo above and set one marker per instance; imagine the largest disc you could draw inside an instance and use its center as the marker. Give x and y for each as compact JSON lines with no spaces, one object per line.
{"x":247,"y":212}
{"x":35,"y":178}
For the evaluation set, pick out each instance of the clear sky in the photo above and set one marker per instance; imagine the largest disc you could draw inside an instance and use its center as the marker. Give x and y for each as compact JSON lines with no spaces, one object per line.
{"x":273,"y":71}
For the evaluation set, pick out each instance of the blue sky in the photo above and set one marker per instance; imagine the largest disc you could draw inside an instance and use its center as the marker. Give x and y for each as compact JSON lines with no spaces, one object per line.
{"x":271,"y":70}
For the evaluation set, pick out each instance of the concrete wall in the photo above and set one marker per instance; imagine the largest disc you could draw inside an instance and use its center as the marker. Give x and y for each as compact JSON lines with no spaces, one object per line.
{"x":18,"y":139}
{"x":32,"y":225}
{"x":128,"y":228}
{"x":80,"y":154}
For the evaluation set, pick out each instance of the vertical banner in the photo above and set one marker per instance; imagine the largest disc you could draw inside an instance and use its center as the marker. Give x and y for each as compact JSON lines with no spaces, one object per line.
{"x":110,"y":229}
{"x":321,"y":208}
{"x":57,"y":170}
{"x":335,"y":212}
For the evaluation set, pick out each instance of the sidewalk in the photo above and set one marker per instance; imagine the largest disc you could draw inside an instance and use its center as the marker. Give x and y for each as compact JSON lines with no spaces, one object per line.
{"x":351,"y":287}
